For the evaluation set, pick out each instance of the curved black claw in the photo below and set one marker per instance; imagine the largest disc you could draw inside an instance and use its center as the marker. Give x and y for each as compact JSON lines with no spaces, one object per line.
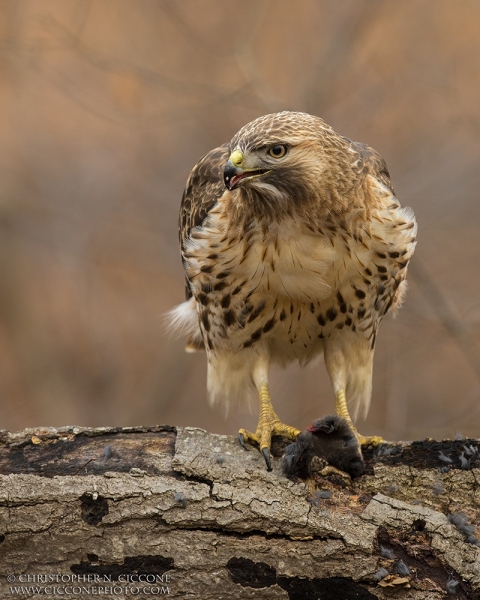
{"x":266,"y":456}
{"x":241,"y":439}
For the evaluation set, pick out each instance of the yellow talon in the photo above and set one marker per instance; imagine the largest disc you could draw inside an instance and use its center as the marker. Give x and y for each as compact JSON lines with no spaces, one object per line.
{"x":342,"y":410}
{"x":268,"y":424}
{"x":369,"y":440}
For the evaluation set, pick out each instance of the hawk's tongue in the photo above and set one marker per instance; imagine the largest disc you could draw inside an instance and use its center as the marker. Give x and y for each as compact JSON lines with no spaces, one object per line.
{"x":235,"y":179}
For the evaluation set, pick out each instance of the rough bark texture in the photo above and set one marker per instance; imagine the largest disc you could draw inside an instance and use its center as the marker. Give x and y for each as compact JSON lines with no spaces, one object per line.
{"x":199,"y":517}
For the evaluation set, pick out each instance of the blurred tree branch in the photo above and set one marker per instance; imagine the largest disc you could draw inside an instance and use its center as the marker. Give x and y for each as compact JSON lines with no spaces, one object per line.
{"x":460,"y":332}
{"x":332,"y":64}
{"x":242,"y":52}
{"x":246,"y":59}
{"x":198,"y":92}
{"x":115,"y":64}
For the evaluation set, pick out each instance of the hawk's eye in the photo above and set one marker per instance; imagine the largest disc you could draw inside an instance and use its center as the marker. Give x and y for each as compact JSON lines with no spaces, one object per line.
{"x":278,"y":150}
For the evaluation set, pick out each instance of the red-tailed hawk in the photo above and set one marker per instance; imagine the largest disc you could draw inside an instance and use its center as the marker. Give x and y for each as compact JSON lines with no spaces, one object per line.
{"x":293,"y":244}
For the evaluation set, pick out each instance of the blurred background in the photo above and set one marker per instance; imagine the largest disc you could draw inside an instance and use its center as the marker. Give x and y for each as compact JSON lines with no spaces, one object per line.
{"x":106,"y":105}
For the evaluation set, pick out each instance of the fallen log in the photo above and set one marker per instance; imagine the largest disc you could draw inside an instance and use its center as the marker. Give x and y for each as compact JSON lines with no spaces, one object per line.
{"x":152,"y":511}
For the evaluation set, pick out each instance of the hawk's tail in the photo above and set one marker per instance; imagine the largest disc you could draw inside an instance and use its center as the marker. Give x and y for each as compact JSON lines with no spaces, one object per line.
{"x":183,"y":321}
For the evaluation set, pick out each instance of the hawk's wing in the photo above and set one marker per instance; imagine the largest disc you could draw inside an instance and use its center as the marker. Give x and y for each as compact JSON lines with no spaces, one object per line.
{"x":404,"y":235}
{"x":204,"y":187}
{"x":374,"y":163}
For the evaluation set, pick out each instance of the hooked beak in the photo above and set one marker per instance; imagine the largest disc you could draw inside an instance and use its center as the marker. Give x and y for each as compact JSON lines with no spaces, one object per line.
{"x":234,"y":174}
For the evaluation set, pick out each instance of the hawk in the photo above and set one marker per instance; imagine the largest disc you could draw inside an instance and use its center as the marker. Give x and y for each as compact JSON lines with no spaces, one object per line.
{"x":294,"y":245}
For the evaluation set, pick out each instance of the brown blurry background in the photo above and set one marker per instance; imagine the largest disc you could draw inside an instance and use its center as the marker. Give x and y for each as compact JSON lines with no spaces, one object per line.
{"x":106,"y":105}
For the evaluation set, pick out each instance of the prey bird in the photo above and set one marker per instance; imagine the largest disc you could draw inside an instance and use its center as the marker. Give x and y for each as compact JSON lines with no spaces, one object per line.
{"x":293,"y":244}
{"x":329,"y":439}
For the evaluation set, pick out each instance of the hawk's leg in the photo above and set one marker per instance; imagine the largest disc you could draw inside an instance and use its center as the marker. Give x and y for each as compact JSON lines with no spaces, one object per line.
{"x":342,"y":410}
{"x":268,"y":424}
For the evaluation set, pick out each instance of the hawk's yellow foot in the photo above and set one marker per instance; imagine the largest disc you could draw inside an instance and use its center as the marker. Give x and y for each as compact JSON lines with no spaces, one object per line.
{"x":342,"y":410}
{"x":268,"y":424}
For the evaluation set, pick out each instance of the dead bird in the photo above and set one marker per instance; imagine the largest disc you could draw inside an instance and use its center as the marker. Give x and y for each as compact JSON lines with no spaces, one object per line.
{"x":329,"y":439}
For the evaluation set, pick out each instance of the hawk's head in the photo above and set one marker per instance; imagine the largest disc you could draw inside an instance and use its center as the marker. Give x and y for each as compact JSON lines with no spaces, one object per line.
{"x":283,"y":154}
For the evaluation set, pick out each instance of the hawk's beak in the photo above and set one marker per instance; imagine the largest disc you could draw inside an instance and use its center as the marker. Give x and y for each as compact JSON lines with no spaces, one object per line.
{"x":234,"y":173}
